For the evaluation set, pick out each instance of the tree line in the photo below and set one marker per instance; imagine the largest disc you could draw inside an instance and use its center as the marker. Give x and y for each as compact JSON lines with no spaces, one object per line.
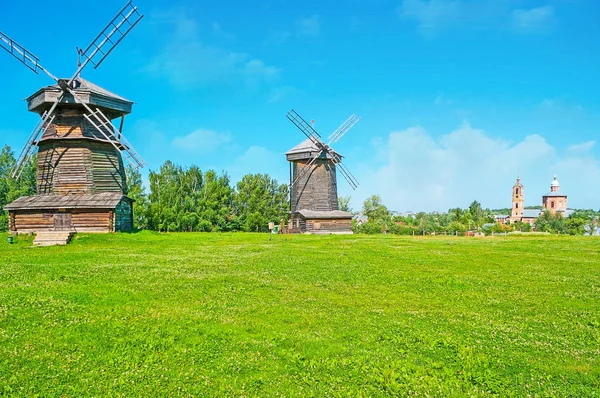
{"x":457,"y":221}
{"x":189,"y":199}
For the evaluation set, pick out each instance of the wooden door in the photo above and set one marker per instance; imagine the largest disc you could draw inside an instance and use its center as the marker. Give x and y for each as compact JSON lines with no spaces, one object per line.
{"x":63,"y":221}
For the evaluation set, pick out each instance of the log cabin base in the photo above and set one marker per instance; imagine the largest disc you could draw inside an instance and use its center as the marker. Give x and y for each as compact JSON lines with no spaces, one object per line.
{"x":102,"y":213}
{"x":321,"y":222}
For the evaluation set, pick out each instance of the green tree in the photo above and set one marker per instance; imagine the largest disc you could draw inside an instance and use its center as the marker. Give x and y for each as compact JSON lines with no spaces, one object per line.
{"x":11,"y":189}
{"x":344,"y":203}
{"x":216,"y":202}
{"x":137,"y":192}
{"x":374,"y":209}
{"x":477,"y":213}
{"x":548,"y":222}
{"x":457,"y":228}
{"x":258,"y":200}
{"x":164,"y":197}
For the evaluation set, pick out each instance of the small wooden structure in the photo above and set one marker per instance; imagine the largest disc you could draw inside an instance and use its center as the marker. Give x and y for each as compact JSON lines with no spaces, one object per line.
{"x":321,"y":222}
{"x":101,"y":212}
{"x":81,"y":183}
{"x":314,"y":204}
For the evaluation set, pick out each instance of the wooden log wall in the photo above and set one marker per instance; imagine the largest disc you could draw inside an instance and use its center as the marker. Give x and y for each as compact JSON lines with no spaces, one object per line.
{"x":317,"y":189}
{"x":84,"y":220}
{"x":79,"y":166}
{"x":333,"y":225}
{"x":70,"y":123}
{"x":32,"y":221}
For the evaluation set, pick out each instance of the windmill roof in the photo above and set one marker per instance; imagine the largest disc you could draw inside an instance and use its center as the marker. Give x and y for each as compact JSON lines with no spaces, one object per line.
{"x":104,"y":200}
{"x":307,"y":147}
{"x":87,"y":92}
{"x":86,"y":85}
{"x":324,"y":214}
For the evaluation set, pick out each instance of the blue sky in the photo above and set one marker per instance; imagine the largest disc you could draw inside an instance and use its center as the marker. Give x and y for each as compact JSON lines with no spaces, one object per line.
{"x":456,"y":97}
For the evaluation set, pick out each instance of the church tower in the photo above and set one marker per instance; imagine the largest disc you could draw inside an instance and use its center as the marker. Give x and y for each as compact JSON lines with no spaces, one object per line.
{"x":518,"y":201}
{"x":554,"y":201}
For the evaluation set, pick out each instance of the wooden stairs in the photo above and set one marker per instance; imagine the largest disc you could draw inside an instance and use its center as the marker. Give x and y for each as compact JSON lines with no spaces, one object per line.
{"x":51,"y":238}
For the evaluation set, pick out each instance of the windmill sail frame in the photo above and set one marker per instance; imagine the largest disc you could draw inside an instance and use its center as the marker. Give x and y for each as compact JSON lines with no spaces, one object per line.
{"x":102,"y":45}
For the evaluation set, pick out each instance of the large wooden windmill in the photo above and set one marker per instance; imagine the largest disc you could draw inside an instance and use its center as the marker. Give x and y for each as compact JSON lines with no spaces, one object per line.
{"x":313,"y":182}
{"x":81,"y":182}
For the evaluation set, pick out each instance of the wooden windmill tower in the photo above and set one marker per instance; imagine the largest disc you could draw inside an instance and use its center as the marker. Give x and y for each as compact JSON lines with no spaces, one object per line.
{"x":313,"y":180}
{"x":81,"y":182}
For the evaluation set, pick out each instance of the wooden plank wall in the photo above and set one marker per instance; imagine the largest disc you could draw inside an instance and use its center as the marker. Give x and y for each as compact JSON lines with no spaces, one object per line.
{"x":334,"y":225}
{"x":32,"y":221}
{"x":84,"y":220}
{"x":317,"y":190}
{"x":107,"y":169}
{"x":61,"y":168}
{"x":70,"y":123}
{"x":79,"y":166}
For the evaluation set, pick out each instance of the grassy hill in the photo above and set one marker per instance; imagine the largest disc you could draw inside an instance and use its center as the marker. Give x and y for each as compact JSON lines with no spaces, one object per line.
{"x":239,"y":315}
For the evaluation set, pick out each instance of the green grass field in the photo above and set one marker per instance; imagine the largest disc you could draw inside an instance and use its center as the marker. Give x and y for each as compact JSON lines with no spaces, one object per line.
{"x":239,"y":315}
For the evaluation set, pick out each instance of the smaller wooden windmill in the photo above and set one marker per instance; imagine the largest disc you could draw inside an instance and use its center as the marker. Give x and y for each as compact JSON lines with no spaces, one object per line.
{"x":313,"y":181}
{"x":81,"y":185}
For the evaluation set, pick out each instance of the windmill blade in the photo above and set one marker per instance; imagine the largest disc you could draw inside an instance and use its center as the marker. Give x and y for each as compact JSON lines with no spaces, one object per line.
{"x":132,"y":156}
{"x":305,"y":170}
{"x":352,"y":181}
{"x":38,"y":131}
{"x":103,"y":124}
{"x":23,"y":55}
{"x":28,"y":149}
{"x":305,"y":127}
{"x":106,"y":41}
{"x":343,"y":129}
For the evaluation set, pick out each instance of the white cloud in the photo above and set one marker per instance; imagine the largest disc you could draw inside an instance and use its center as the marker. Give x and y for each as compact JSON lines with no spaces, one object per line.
{"x":434,"y":16}
{"x":420,"y":172}
{"x":187,"y":61}
{"x":202,"y":141}
{"x":303,"y":27}
{"x":581,"y":149}
{"x":533,"y":20}
{"x":442,"y":100}
{"x":309,"y":26}
{"x":431,"y":15}
{"x":565,"y":104}
{"x":280,"y":93}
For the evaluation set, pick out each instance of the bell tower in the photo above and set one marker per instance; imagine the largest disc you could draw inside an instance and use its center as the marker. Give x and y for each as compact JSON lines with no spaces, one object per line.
{"x":518,"y":201}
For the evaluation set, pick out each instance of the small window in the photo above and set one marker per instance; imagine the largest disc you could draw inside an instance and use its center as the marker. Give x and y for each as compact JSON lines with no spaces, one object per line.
{"x":552,"y":204}
{"x":517,"y":205}
{"x":517,"y":191}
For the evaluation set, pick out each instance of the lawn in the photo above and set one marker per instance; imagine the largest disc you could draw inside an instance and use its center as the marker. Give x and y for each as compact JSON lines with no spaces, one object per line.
{"x":239,"y":315}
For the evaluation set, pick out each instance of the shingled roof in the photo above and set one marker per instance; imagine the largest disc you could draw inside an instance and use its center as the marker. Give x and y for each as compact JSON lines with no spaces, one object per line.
{"x":308,"y":149}
{"x":555,"y":195}
{"x":310,"y":214}
{"x":87,"y":91}
{"x":104,"y":200}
